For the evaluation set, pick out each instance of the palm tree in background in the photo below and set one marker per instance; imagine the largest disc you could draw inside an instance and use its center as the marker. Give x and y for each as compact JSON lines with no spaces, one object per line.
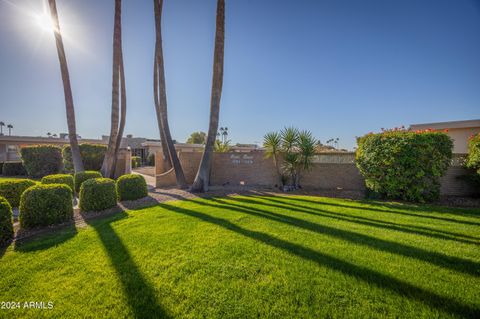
{"x":118,"y":83}
{"x":160,"y":97}
{"x":2,"y":124}
{"x":202,"y":178}
{"x":49,"y":134}
{"x":9,"y":126}
{"x":67,"y":89}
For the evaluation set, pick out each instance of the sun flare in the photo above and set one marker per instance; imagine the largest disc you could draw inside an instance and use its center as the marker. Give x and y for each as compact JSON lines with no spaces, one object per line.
{"x":44,"y":22}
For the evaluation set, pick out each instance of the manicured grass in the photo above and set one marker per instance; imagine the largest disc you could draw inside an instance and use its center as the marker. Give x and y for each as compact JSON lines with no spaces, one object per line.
{"x":277,"y":257}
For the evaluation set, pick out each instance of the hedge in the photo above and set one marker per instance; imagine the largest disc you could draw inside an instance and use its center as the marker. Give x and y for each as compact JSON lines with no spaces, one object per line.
{"x":41,"y":160}
{"x":6,"y":222}
{"x":92,"y":156}
{"x":44,"y":205}
{"x":81,"y":177}
{"x":12,"y":189}
{"x":136,"y":161}
{"x":473,"y":159}
{"x":131,"y":187}
{"x":405,"y":165}
{"x":65,"y":179}
{"x":97,"y":194}
{"x":13,"y":169}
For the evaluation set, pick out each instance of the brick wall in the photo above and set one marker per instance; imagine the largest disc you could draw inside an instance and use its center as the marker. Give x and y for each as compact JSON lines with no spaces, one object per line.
{"x":329,"y":172}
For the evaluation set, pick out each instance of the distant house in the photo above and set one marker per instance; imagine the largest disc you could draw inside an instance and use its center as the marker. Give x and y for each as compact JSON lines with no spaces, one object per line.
{"x":459,"y":131}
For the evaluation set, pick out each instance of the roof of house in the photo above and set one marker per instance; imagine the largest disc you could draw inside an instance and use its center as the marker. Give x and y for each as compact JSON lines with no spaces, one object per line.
{"x":446,"y":125}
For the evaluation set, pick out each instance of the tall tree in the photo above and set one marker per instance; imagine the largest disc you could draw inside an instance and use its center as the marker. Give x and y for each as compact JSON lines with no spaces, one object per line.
{"x":67,"y":89}
{"x":161,"y":96}
{"x":108,"y":165}
{"x":203,"y":175}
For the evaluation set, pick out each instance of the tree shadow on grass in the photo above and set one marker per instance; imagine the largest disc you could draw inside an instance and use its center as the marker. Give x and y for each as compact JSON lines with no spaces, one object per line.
{"x":411,"y":229}
{"x":140,"y":293}
{"x":445,"y":304}
{"x":44,"y":238}
{"x":392,"y":210}
{"x":439,"y":259}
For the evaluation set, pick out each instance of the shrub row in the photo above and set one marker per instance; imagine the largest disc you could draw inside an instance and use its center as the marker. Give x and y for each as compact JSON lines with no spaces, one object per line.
{"x":50,"y":202}
{"x":101,"y":193}
{"x":404,"y":165}
{"x":6,"y":222}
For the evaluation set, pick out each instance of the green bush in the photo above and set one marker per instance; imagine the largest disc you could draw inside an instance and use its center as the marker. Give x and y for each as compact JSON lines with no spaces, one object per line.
{"x":81,"y":177}
{"x":12,"y":189}
{"x":41,"y":160}
{"x":404,"y":165}
{"x":1,"y":168}
{"x":473,"y":159}
{"x":92,"y":156}
{"x":136,"y":161}
{"x":6,"y":222}
{"x":13,"y":169}
{"x":97,"y":194}
{"x":131,"y":187}
{"x":44,"y":205}
{"x":65,"y":179}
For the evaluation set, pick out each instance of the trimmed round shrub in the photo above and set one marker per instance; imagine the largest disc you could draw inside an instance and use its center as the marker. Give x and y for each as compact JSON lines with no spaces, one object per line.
{"x":136,"y":161}
{"x":65,"y":179}
{"x":44,"y":205}
{"x":131,"y":187}
{"x":12,"y":189}
{"x":81,"y":177}
{"x":97,"y":194}
{"x":42,"y":160}
{"x":6,"y":222}
{"x":13,"y":169}
{"x":92,"y":156}
{"x":405,"y":165}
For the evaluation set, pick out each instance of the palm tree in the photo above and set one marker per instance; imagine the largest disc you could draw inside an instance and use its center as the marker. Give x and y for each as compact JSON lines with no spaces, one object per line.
{"x":9,"y":126}
{"x":2,"y":124}
{"x":160,"y":97}
{"x":49,"y":134}
{"x":108,"y":169}
{"x":203,"y":174}
{"x":123,"y":108}
{"x":72,"y":130}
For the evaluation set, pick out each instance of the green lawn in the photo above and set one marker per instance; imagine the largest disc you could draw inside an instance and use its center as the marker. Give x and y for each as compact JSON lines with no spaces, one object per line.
{"x":277,"y":257}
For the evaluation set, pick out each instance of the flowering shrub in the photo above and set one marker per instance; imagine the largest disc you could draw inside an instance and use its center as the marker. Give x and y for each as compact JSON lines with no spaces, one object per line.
{"x":403,"y":164}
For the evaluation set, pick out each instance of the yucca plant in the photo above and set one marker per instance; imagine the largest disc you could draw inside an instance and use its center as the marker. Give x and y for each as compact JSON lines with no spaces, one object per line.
{"x":296,"y":148}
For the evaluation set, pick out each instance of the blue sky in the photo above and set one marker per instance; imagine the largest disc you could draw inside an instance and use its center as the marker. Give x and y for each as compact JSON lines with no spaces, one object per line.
{"x":338,"y":68}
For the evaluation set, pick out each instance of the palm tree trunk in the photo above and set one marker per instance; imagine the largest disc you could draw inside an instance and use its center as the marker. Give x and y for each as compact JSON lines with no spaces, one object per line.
{"x":123,"y":110}
{"x":107,"y":165}
{"x":162,"y":97}
{"x":202,"y":179}
{"x":166,"y":163}
{"x":67,"y":89}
